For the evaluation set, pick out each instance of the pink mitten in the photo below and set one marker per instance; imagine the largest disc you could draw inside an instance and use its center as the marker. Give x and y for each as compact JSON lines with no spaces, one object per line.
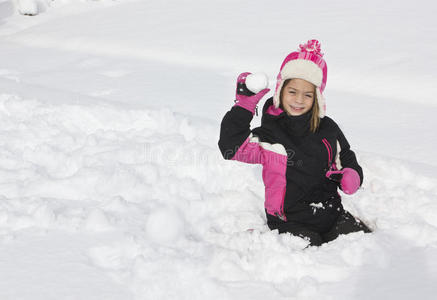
{"x":244,"y":97}
{"x":349,"y":179}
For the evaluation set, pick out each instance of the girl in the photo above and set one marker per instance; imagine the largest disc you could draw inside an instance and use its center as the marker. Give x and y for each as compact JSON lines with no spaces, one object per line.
{"x":304,"y":154}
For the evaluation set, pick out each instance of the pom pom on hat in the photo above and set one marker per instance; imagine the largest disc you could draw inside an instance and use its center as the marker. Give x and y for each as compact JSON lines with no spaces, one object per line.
{"x":311,"y":46}
{"x":308,"y":64}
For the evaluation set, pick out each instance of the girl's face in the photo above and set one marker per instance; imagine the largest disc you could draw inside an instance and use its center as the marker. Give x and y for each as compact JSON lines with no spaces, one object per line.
{"x":298,"y":96}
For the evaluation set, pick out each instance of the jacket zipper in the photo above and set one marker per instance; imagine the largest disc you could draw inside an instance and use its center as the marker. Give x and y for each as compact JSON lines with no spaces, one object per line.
{"x":282,"y":214}
{"x":329,"y":149}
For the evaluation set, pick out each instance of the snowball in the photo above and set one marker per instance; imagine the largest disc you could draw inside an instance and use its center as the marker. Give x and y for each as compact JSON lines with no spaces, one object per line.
{"x":164,"y":225}
{"x":257,"y":82}
{"x":28,"y":7}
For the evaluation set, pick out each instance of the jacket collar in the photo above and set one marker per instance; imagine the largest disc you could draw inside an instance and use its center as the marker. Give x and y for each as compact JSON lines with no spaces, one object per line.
{"x":295,"y":125}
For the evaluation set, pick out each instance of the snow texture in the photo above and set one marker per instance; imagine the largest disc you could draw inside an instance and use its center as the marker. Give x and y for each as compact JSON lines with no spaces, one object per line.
{"x":111,"y":182}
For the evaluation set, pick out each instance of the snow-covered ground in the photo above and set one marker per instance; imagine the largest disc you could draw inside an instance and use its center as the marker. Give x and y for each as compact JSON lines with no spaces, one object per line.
{"x":111,"y":182}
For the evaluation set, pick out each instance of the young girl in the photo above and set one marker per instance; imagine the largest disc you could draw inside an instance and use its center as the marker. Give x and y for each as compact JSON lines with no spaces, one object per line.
{"x":304,"y":154}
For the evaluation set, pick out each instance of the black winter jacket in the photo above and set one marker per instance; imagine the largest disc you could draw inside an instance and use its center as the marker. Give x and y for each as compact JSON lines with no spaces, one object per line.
{"x":294,"y":161}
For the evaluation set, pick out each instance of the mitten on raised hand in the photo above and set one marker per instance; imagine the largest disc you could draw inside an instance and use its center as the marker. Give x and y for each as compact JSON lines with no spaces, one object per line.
{"x":348,"y":178}
{"x":244,"y":97}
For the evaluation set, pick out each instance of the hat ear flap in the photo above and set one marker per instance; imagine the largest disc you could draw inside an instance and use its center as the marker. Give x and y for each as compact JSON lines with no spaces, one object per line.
{"x":277,"y":96}
{"x":322,"y":103}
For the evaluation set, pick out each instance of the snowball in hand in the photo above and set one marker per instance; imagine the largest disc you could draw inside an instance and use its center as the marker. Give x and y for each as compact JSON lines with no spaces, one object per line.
{"x":164,"y":225}
{"x":257,"y":82}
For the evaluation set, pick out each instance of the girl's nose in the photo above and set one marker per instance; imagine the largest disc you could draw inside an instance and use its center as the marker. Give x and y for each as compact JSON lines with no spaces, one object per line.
{"x":300,"y":99}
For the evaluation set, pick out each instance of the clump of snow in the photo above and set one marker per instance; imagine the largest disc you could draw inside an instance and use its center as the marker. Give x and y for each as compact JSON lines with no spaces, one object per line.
{"x":28,"y":7}
{"x":256,"y":82}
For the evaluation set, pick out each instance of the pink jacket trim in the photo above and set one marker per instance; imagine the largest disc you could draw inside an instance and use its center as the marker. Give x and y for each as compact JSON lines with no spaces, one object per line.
{"x":274,"y":169}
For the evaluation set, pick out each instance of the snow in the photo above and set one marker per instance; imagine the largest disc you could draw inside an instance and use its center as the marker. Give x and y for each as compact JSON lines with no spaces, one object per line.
{"x":165,"y":225}
{"x":257,"y":82}
{"x":27,"y":7}
{"x":111,"y":182}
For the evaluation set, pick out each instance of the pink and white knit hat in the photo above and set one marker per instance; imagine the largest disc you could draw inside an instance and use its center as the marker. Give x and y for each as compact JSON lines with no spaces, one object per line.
{"x":308,"y":64}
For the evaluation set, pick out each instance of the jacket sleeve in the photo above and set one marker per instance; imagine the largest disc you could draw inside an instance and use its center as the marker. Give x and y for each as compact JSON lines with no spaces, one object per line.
{"x":347,"y":156}
{"x":236,"y":139}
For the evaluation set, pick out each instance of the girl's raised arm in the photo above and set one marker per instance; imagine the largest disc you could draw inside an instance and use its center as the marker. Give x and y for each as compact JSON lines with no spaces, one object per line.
{"x":236,"y":141}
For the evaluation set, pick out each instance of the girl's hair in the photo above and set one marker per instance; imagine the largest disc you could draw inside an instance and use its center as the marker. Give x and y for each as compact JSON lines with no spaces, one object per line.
{"x":315,"y":120}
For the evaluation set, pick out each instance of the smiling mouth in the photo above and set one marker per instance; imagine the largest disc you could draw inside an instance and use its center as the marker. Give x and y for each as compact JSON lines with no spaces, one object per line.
{"x":296,"y":108}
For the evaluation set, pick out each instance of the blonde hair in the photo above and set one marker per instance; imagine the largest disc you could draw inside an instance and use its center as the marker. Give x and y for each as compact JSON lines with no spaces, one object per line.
{"x":315,"y":119}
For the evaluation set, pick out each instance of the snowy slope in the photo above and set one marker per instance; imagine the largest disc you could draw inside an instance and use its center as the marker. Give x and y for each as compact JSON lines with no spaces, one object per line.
{"x":111,"y":182}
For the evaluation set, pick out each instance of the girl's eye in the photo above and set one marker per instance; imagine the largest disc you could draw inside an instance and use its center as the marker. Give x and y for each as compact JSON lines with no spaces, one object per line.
{"x":309,"y":96}
{"x":292,"y":92}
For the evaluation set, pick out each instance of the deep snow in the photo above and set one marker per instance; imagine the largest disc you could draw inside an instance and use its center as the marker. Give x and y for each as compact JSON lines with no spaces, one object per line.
{"x":111,"y":182}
